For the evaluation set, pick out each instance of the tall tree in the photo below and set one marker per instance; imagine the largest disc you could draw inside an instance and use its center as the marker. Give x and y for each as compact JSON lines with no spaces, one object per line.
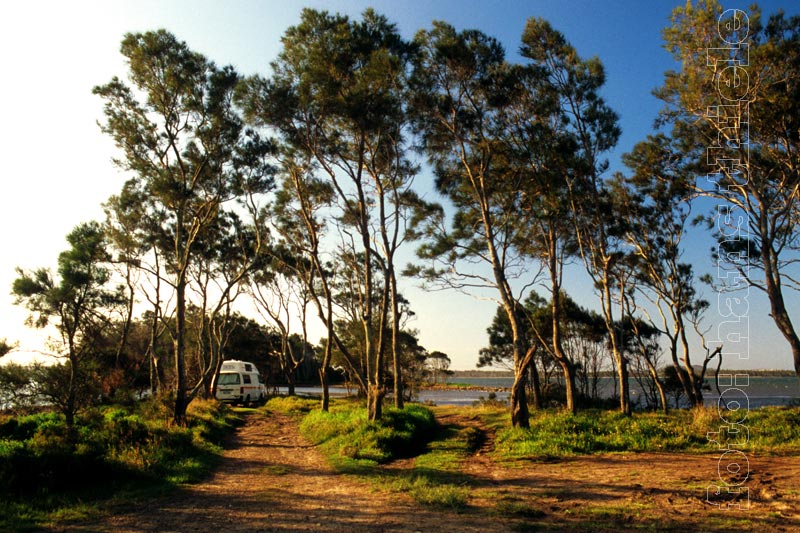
{"x":463,"y":90}
{"x":592,"y":127}
{"x":76,"y":302}
{"x":336,"y":97}
{"x":186,"y":148}
{"x":302,"y":204}
{"x":656,"y":201}
{"x":733,"y":107}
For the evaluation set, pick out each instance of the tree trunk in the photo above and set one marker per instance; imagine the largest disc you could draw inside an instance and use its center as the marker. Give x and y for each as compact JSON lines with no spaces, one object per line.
{"x":659,"y":386}
{"x":569,"y":385}
{"x":519,"y":402}
{"x":290,"y":382}
{"x":396,"y":366}
{"x":536,"y":386}
{"x":181,"y":400}
{"x":778,"y":309}
{"x":374,"y":402}
{"x":624,"y":386}
{"x":323,"y":381}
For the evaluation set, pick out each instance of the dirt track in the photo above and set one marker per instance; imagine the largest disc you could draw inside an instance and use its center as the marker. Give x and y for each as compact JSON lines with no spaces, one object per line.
{"x":273,"y":480}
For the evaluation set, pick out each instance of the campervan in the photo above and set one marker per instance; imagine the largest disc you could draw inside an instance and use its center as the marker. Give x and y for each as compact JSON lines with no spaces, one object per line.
{"x":239,"y":382}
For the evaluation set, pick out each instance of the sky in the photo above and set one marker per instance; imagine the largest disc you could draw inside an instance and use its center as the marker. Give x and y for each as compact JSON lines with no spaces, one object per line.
{"x":56,"y":169}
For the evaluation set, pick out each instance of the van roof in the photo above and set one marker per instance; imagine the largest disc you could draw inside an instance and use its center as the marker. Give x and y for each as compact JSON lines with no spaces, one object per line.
{"x":235,"y":364}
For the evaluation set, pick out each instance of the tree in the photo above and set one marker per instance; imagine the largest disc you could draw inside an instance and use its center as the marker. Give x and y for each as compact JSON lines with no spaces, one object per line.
{"x":656,"y":199}
{"x":463,"y":88}
{"x":189,"y":155}
{"x":583,"y":336}
{"x":76,"y":302}
{"x":590,"y":127}
{"x":438,"y":364}
{"x":733,"y":110}
{"x":299,"y":213}
{"x":6,"y":348}
{"x":336,"y":97}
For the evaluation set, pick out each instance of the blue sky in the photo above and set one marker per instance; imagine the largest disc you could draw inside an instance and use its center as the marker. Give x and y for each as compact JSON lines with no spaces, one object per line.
{"x":57,"y":169}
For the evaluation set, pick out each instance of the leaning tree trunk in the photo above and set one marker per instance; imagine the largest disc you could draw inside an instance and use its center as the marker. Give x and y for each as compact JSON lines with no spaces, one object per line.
{"x":519,"y":402}
{"x":778,"y":306}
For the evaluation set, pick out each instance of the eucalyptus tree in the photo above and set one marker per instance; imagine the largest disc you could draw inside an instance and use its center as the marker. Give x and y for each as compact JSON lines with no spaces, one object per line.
{"x":228,"y":254}
{"x":656,"y":200}
{"x":77,"y":302}
{"x":542,"y":149}
{"x":302,"y":205}
{"x":733,"y":108}
{"x":337,"y":98}
{"x":500,"y":351}
{"x":131,"y":231}
{"x":463,"y":90}
{"x":280,"y":295}
{"x":187,"y":154}
{"x":592,"y":127}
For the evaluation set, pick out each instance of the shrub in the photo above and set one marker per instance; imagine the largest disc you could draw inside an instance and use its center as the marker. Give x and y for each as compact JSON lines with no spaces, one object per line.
{"x":40,"y":455}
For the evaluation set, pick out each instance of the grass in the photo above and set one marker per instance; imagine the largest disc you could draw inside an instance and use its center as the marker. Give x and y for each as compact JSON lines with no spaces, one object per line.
{"x":559,"y":434}
{"x":49,"y":474}
{"x":346,"y":433}
{"x":429,"y":491}
{"x":357,"y":446}
{"x":291,"y":405}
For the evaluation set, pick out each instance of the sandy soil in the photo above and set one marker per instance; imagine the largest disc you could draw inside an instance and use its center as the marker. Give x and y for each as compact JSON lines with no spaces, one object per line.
{"x":273,"y":480}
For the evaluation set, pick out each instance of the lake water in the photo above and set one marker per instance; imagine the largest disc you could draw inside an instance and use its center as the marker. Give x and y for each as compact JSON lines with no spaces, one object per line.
{"x":760,"y":391}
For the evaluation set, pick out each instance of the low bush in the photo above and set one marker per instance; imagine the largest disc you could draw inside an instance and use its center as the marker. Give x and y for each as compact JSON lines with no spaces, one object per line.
{"x":109,"y":448}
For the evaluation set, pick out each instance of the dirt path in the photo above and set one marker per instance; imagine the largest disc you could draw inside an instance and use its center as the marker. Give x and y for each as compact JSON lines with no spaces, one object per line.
{"x":629,"y":491}
{"x":272,"y":480}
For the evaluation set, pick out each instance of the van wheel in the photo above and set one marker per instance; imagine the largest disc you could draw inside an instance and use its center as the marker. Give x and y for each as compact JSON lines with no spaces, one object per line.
{"x":247,"y":402}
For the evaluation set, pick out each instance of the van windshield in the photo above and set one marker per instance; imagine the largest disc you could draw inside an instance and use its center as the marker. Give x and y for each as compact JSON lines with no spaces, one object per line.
{"x":228,"y":379}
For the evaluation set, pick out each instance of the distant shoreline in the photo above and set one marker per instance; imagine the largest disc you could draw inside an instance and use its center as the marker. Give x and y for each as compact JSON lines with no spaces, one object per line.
{"x":608,"y":373}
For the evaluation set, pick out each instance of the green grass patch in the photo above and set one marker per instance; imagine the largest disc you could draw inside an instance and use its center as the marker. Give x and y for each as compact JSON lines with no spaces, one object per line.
{"x":347,"y":433}
{"x":357,"y":446}
{"x":291,"y":405}
{"x":559,"y":434}
{"x":514,"y":507}
{"x":49,"y":474}
{"x":432,"y":493}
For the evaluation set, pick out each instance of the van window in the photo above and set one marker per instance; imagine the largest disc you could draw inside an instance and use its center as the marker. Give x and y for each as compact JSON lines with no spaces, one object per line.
{"x":246,"y":378}
{"x":228,"y":379}
{"x":248,"y":368}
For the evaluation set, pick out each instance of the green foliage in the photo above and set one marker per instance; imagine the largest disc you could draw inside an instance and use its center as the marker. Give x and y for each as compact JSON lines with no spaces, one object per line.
{"x":46,"y":464}
{"x":347,"y":433}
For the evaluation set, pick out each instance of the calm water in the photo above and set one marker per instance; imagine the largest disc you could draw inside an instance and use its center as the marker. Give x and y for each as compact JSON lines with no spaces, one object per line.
{"x":759,"y":391}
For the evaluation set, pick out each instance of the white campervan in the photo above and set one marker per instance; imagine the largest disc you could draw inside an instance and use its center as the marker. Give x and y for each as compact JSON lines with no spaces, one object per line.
{"x":239,"y":382}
